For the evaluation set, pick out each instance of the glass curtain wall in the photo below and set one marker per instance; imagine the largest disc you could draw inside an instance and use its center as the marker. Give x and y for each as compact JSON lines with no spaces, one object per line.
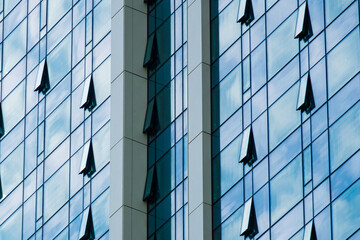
{"x":306,"y":170}
{"x":167,"y":146}
{"x":44,"y":195}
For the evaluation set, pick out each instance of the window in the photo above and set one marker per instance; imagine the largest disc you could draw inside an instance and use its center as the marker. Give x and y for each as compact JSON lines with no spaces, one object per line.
{"x":303,"y":25}
{"x":150,"y":185}
{"x":87,"y":166}
{"x":88,"y":100}
{"x":343,"y":62}
{"x":305,"y":98}
{"x":245,"y":12}
{"x":151,"y":53}
{"x":286,"y":189}
{"x":151,"y":124}
{"x":345,"y":137}
{"x":42,"y":83}
{"x":87,"y":227}
{"x":248,"y":150}
{"x":249,"y":224}
{"x":346,"y":213}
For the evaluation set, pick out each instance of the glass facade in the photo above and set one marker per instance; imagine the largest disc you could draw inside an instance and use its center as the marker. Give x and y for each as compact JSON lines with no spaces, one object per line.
{"x":306,"y":166}
{"x":44,"y":195}
{"x":167,"y":98}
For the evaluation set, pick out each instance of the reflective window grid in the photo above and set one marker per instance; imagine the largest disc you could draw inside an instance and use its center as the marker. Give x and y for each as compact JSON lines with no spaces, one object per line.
{"x":44,"y":195}
{"x":167,"y":148}
{"x":307,"y":167}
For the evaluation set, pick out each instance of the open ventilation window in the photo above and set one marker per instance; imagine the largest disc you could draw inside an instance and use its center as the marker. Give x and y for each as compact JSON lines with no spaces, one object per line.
{"x":2,"y":127}
{"x":42,"y":83}
{"x":88,"y":100}
{"x":249,"y":226}
{"x":248,"y":149}
{"x":305,"y":98}
{"x":310,"y":233}
{"x":87,"y":226}
{"x":151,"y":124}
{"x":87,"y":166}
{"x":149,"y":1}
{"x":150,"y":185}
{"x":151,"y":52}
{"x":303,"y":25}
{"x":245,"y":12}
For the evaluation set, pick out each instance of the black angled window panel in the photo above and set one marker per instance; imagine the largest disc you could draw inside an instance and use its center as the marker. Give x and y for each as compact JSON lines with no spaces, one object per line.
{"x":245,"y":12}
{"x":303,"y":24}
{"x":2,"y":127}
{"x":248,"y":150}
{"x":42,"y":83}
{"x":310,"y":232}
{"x":87,"y":166}
{"x":305,"y":98}
{"x":151,"y":52}
{"x":249,"y":226}
{"x":150,"y":185}
{"x":151,"y":124}
{"x":87,"y":226}
{"x":88,"y":100}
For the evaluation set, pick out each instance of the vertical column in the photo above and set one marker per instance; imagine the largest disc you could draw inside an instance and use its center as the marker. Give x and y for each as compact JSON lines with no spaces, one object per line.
{"x":128,"y":164}
{"x":199,"y":120}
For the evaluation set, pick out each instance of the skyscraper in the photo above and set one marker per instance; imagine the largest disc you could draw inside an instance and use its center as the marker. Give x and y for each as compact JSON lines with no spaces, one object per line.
{"x":228,"y":119}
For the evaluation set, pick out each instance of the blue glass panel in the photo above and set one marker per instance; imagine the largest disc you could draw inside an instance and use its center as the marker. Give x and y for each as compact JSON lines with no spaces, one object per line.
{"x":283,"y":80}
{"x":227,"y":97}
{"x":12,"y":170}
{"x":333,"y":8}
{"x":344,"y":99}
{"x":281,"y":10}
{"x":13,"y":107}
{"x":12,"y":139}
{"x":317,"y":49}
{"x":281,"y":45}
{"x":102,"y":20}
{"x":100,"y":211}
{"x":11,"y":229}
{"x":319,"y":122}
{"x":289,"y":224}
{"x":56,"y":191}
{"x":261,"y":202}
{"x":323,"y":225}
{"x":286,"y":189}
{"x":14,"y":47}
{"x":57,"y":126}
{"x":225,"y":29}
{"x":57,"y":9}
{"x":261,"y":174}
{"x":59,"y":61}
{"x":261,"y":136}
{"x":316,"y":10}
{"x":58,"y":94}
{"x":34,"y":27}
{"x":346,"y":213}
{"x":345,"y":175}
{"x":321,"y":197}
{"x":57,"y":223}
{"x":343,"y":61}
{"x":342,"y":26}
{"x":100,"y":182}
{"x":9,"y":5}
{"x":231,"y":228}
{"x":283,"y":154}
{"x":59,"y":32}
{"x":283,"y":117}
{"x":10,"y":203}
{"x":345,"y":137}
{"x":320,"y":158}
{"x":29,"y":217}
{"x":101,"y":145}
{"x":15,"y":17}
{"x":258,"y":68}
{"x":228,"y":204}
{"x":57,"y":158}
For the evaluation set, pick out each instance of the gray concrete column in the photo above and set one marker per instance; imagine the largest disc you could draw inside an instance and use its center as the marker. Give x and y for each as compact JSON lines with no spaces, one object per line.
{"x":199,"y":120}
{"x":128,"y":163}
